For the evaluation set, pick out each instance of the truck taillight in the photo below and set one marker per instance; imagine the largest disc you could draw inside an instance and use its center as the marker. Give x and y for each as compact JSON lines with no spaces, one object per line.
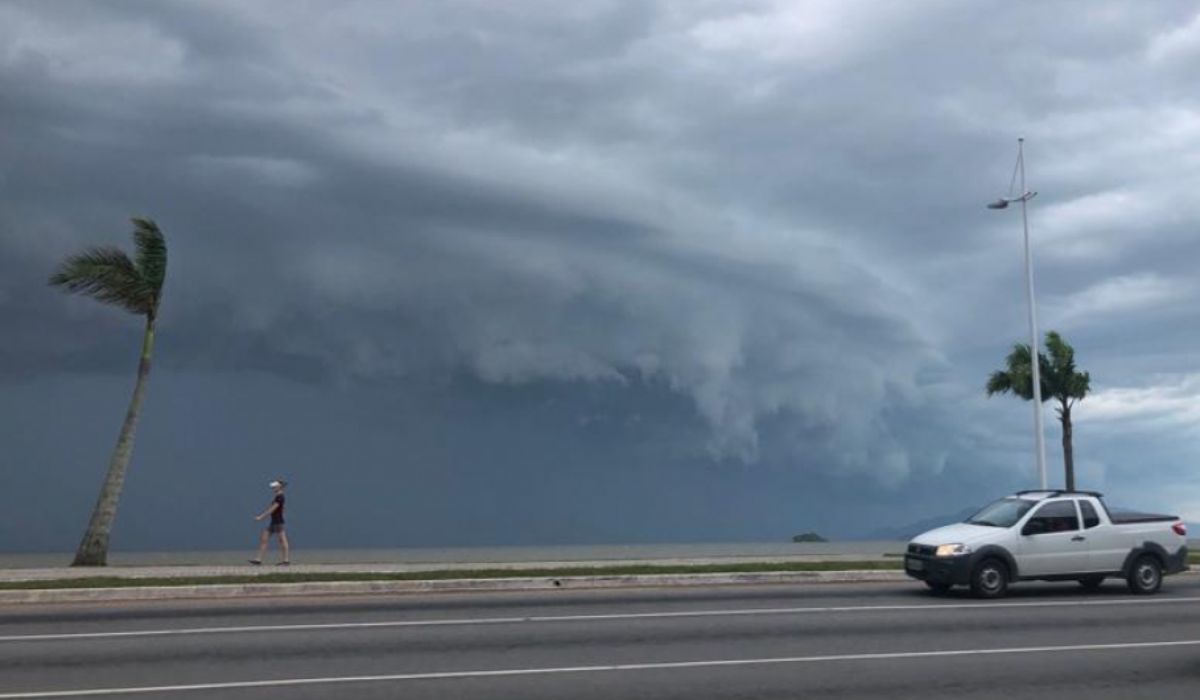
{"x":1180,"y":529}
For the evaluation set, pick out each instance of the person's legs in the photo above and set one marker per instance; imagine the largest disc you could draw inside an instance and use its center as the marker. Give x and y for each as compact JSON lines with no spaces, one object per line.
{"x":263,"y":539}
{"x":284,"y":547}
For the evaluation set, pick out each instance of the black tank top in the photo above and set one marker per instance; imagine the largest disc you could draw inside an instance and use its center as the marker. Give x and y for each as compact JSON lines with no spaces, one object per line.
{"x":277,"y":514}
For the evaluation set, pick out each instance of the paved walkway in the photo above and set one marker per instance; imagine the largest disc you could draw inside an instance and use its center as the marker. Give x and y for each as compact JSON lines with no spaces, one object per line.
{"x":245,"y":568}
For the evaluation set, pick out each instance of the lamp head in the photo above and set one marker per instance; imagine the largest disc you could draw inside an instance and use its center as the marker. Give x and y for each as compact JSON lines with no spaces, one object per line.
{"x":998,"y":204}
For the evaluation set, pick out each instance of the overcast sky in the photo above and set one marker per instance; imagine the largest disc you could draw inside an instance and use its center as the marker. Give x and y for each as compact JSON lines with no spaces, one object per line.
{"x":540,"y":272}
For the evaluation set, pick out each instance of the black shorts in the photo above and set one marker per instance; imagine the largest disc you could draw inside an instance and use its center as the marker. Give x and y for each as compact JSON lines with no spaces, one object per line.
{"x":275,"y":528}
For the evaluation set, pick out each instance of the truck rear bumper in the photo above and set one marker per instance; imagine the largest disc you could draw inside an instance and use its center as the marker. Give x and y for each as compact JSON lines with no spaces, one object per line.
{"x":1178,"y":562}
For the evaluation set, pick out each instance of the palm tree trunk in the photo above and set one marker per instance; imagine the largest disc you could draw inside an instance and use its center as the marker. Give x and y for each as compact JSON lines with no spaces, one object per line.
{"x":93,"y":549}
{"x":1068,"y":448}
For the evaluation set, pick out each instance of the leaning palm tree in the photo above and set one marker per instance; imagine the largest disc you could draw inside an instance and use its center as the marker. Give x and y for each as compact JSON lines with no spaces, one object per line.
{"x":109,"y":275}
{"x":1060,"y":381}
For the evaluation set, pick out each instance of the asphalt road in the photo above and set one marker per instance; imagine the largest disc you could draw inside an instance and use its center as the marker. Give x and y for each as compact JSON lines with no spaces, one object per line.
{"x":813,"y":641}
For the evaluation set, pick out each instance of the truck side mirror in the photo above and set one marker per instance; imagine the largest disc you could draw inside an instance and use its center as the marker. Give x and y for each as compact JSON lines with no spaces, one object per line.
{"x":1035,"y":526}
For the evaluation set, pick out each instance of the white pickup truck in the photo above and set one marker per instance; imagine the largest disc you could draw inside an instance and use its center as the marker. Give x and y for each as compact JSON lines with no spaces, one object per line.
{"x":1049,"y":536}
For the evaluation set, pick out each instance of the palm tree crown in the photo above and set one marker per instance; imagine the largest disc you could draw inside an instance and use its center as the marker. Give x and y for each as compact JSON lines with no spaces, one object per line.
{"x":1061,"y":381}
{"x":107,"y":274}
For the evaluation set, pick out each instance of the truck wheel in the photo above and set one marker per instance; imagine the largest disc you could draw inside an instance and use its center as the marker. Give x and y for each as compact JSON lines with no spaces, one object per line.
{"x":989,"y":579}
{"x":1145,"y":576}
{"x":938,"y":588}
{"x":1091,"y":583}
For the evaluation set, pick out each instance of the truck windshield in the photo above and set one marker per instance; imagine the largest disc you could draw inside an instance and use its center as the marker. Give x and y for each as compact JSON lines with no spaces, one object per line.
{"x":1003,"y":513}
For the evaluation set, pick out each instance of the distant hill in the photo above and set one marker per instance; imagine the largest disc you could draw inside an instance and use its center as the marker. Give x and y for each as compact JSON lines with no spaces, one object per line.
{"x":907,"y":532}
{"x":809,"y":537}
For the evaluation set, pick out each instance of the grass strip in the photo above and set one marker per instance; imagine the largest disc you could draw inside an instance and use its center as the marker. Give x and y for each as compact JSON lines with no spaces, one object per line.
{"x":444,"y":574}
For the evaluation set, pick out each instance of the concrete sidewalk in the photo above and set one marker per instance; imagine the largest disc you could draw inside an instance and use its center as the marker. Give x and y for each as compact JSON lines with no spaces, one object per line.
{"x":571,"y":577}
{"x":343,"y":588}
{"x":244,"y":568}
{"x":549,"y":581}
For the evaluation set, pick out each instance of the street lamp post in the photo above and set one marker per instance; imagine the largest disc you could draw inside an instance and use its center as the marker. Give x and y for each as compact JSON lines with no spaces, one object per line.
{"x":1039,"y":438}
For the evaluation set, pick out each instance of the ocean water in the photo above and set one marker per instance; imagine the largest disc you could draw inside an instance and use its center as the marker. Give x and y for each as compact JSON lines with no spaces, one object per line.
{"x":483,"y":555}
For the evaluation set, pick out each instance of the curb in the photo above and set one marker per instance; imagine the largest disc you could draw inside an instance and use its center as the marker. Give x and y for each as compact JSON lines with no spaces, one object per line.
{"x":244,"y":590}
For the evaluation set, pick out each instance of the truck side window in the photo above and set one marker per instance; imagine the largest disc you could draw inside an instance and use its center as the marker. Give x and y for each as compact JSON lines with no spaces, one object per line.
{"x":1090,"y":519}
{"x":1056,"y":516}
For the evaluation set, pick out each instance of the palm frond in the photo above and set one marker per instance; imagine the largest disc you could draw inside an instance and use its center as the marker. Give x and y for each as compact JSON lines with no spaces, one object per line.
{"x":151,"y":254}
{"x":105,"y":274}
{"x":1061,"y":352}
{"x":1019,"y":356}
{"x":999,"y":383}
{"x":1017,"y":377}
{"x":1080,"y":385}
{"x":1065,"y":382}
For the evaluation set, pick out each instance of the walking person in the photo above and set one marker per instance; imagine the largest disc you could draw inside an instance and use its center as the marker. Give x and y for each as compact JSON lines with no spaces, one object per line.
{"x":275,"y":512}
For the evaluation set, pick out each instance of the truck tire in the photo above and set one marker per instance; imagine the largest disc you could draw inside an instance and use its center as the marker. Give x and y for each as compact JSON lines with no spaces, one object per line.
{"x":989,"y":579}
{"x":1091,"y":583}
{"x":1145,"y":576}
{"x":938,"y":588}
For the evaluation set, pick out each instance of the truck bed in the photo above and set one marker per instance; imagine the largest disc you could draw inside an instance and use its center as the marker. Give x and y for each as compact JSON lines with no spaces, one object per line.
{"x":1129,"y":517}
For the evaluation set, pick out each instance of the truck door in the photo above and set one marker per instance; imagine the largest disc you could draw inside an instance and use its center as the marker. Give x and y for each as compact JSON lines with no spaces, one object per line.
{"x":1106,"y":547}
{"x":1051,"y":543}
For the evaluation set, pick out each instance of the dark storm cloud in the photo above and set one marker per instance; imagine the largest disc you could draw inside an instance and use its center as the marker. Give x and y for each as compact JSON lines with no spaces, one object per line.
{"x":770,"y":212}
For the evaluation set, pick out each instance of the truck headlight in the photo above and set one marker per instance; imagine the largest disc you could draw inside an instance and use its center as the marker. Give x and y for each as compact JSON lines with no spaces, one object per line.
{"x":952,"y":550}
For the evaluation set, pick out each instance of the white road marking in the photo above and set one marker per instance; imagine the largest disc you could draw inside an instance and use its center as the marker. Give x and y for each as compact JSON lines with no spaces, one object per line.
{"x":666,"y":665}
{"x":593,"y":618}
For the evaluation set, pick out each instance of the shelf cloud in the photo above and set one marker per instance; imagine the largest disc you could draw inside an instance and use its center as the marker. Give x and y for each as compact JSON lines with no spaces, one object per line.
{"x":746,"y":237}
